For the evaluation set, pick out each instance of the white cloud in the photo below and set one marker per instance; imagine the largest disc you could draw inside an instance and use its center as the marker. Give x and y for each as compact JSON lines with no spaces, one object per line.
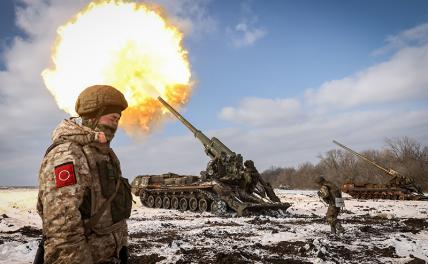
{"x":281,"y":145}
{"x":259,"y":111}
{"x":290,"y":145}
{"x":192,"y":17}
{"x":180,"y":154}
{"x":279,"y":132}
{"x":286,"y":132}
{"x":29,"y":111}
{"x":245,"y":32}
{"x":417,"y":35}
{"x":403,"y":77}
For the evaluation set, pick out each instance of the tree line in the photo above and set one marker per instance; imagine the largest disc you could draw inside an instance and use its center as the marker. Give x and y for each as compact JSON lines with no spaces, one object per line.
{"x":404,"y":155}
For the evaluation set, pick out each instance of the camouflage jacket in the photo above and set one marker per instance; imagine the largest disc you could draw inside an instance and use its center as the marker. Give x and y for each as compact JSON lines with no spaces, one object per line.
{"x":250,"y":179}
{"x":76,"y":177}
{"x":328,"y":192}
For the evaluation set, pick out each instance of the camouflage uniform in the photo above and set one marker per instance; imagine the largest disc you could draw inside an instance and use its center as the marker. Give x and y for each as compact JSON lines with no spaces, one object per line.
{"x":329,"y":192}
{"x":76,"y":178}
{"x":254,"y":183}
{"x":250,"y":178}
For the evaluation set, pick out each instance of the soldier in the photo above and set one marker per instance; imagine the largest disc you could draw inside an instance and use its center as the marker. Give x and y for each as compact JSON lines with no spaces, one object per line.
{"x":252,"y":180}
{"x":83,"y":199}
{"x":233,"y":170}
{"x":330,"y":194}
{"x":404,"y":182}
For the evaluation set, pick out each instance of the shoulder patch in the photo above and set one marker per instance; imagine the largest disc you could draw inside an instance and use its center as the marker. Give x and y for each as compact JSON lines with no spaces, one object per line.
{"x":65,"y":175}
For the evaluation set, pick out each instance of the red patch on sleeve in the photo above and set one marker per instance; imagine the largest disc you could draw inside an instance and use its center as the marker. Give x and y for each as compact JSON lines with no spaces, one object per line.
{"x":64,"y":175}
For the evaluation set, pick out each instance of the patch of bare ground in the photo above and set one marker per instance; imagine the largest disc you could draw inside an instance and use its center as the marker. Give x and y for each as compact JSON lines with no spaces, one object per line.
{"x":269,"y":224}
{"x":165,"y":237}
{"x":292,"y":248}
{"x":216,"y":223}
{"x":21,"y":235}
{"x":341,"y":254}
{"x":414,"y":225}
{"x":416,"y":260}
{"x":145,"y":259}
{"x":195,"y":255}
{"x":259,"y":221}
{"x":243,"y":257}
{"x":378,"y":226}
{"x":28,"y":231}
{"x":223,"y":234}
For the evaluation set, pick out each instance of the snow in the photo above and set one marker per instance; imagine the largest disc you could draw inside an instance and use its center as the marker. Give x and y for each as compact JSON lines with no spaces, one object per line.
{"x":20,"y":206}
{"x":377,"y":231}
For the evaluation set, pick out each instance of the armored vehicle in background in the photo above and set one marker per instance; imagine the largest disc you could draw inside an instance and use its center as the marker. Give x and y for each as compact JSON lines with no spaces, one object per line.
{"x":399,"y":187}
{"x":227,"y":184}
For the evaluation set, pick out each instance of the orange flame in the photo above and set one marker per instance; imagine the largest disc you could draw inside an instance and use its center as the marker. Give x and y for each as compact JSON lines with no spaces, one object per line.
{"x":125,"y":45}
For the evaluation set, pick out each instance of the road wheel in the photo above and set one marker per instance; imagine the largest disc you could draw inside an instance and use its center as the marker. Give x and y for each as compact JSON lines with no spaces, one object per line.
{"x":183,"y":204}
{"x":218,"y":207}
{"x":174,"y":203}
{"x":158,"y":202}
{"x":166,"y":202}
{"x":193,"y":204}
{"x":150,"y":201}
{"x":203,"y":205}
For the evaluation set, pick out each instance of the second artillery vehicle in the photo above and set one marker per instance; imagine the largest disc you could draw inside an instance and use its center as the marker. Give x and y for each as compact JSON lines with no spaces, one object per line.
{"x":399,"y":187}
{"x":227,"y":184}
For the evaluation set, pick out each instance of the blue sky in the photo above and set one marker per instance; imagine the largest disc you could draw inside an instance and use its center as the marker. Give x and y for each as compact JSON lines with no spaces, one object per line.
{"x":306,"y":43}
{"x":276,"y":81}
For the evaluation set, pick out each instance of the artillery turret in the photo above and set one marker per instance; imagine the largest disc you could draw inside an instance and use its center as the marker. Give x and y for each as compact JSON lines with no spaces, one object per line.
{"x":227,"y":183}
{"x":398,"y":187}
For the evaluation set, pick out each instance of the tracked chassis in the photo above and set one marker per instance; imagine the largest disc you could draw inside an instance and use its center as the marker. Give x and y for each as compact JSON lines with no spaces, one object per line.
{"x":380,"y":191}
{"x":178,"y":192}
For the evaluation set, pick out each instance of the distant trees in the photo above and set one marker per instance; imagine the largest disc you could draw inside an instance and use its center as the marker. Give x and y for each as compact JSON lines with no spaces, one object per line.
{"x":404,"y":155}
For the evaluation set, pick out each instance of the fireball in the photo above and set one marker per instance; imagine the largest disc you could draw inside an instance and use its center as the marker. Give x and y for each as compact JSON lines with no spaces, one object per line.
{"x":126,"y":45}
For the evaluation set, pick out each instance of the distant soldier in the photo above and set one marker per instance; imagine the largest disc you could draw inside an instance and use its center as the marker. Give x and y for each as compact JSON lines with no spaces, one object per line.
{"x":229,"y":168}
{"x":252,"y":180}
{"x":404,"y":182}
{"x":83,"y":199}
{"x":331,"y":195}
{"x":250,"y":177}
{"x":216,"y":168}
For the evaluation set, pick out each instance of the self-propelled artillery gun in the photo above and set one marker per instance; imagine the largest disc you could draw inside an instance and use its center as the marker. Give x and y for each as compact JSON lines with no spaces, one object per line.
{"x":399,"y":187}
{"x":228,"y":184}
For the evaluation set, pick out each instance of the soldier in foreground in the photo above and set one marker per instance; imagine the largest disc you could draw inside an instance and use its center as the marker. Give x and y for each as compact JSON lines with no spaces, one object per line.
{"x":83,"y":199}
{"x":331,"y":195}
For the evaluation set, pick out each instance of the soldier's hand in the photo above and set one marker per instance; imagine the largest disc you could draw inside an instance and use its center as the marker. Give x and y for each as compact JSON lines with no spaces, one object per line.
{"x":101,"y":137}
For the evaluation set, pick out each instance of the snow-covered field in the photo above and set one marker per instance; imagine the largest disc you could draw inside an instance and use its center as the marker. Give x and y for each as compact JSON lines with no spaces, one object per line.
{"x":377,"y":231}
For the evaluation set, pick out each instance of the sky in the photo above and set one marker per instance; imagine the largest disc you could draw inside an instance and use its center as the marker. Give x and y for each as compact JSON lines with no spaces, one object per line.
{"x":276,"y":81}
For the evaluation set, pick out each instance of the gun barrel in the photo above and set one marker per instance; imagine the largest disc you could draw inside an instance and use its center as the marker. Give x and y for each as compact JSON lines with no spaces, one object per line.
{"x":213,"y":147}
{"x":178,"y":116}
{"x":362,"y":157}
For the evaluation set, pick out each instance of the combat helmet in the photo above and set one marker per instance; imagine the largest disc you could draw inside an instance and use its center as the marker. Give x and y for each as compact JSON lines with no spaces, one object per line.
{"x":249,"y":164}
{"x":100,"y":99}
